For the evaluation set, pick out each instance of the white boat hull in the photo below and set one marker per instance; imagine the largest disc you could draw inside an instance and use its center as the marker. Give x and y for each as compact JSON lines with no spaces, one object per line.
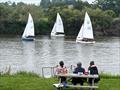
{"x":60,"y":35}
{"x":79,"y":41}
{"x":28,"y":39}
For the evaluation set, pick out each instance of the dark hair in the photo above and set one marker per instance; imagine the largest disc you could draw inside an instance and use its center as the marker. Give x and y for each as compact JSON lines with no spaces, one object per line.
{"x":79,"y":64}
{"x":91,"y":62}
{"x":61,"y":63}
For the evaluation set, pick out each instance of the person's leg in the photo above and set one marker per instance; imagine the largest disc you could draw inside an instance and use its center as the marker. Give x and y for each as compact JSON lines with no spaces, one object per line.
{"x":90,"y":83}
{"x":81,"y":83}
{"x":63,"y":80}
{"x":74,"y":82}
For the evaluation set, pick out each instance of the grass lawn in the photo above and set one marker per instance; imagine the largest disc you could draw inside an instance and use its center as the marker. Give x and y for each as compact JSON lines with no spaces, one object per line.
{"x":29,"y":81}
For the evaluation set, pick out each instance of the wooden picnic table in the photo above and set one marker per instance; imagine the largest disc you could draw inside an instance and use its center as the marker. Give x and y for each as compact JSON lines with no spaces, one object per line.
{"x":70,"y":75}
{"x":77,"y":75}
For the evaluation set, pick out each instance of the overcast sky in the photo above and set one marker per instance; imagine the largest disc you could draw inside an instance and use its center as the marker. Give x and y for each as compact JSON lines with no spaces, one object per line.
{"x":37,"y":2}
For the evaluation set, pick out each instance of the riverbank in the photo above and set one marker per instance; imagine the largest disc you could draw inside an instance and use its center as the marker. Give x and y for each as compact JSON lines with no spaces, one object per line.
{"x":30,"y":81}
{"x":13,"y":18}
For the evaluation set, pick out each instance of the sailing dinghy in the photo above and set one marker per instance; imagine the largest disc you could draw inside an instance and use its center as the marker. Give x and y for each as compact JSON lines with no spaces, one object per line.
{"x":28,"y":34}
{"x":58,"y":28}
{"x":86,"y":32}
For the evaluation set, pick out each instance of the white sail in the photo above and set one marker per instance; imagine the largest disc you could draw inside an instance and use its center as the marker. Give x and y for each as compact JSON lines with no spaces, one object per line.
{"x":88,"y":30}
{"x":80,"y":34}
{"x":29,"y":29}
{"x":54,"y":30}
{"x":58,"y":26}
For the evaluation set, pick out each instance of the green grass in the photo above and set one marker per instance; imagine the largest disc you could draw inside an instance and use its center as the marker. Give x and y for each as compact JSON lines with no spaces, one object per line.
{"x":31,"y":81}
{"x":109,"y":76}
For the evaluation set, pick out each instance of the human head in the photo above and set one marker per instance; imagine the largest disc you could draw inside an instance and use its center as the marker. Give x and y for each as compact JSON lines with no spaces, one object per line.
{"x":91,"y":63}
{"x":79,"y":64}
{"x":61,"y":63}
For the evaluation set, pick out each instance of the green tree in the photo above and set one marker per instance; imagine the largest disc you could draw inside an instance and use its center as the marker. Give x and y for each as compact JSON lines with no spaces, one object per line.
{"x":110,"y":4}
{"x":45,"y":3}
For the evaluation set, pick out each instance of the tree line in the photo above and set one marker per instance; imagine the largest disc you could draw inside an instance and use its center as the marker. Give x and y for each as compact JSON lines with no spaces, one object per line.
{"x":105,"y":16}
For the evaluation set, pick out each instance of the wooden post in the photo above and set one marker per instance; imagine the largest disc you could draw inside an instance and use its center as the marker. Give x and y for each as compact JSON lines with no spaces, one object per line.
{"x":42,"y":72}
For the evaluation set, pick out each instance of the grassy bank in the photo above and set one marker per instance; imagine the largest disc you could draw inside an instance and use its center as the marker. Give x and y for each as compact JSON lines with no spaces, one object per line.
{"x":30,"y":81}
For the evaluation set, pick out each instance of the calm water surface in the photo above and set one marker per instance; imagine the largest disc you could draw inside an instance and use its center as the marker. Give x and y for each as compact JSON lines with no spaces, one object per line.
{"x":46,"y":51}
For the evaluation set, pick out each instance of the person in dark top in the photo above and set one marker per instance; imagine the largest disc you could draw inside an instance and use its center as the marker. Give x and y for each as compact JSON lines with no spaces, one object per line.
{"x":77,"y":70}
{"x":93,"y":70}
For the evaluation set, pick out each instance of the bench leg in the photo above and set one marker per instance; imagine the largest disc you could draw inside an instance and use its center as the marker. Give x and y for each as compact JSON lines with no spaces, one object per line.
{"x":58,"y":88}
{"x":75,"y":88}
{"x":91,"y":89}
{"x":93,"y":83}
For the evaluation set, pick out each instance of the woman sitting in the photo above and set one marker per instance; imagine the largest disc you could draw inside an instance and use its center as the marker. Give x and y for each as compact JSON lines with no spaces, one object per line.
{"x":61,"y":69}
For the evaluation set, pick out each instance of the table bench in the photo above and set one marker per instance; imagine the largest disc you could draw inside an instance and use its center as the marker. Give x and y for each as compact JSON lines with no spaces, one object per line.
{"x":60,"y":86}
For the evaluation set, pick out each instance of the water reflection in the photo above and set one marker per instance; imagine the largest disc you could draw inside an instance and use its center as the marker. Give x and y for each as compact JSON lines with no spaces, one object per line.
{"x":28,"y":56}
{"x":46,"y":51}
{"x":85,"y":52}
{"x":57,"y":49}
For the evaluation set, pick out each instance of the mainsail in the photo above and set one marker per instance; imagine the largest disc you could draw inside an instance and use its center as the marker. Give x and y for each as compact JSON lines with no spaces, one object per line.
{"x":29,"y":29}
{"x":58,"y":26}
{"x":86,"y":31}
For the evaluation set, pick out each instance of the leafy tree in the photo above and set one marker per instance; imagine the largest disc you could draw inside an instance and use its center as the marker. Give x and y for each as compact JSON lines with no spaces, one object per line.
{"x":13,"y":4}
{"x":45,"y":3}
{"x":13,"y":17}
{"x":110,"y":4}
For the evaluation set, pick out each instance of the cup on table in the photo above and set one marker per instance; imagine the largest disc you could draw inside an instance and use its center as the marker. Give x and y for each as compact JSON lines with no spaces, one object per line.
{"x":86,"y":73}
{"x":80,"y":73}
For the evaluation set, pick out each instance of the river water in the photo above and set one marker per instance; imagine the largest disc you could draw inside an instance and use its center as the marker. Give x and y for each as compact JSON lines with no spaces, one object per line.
{"x":46,"y":51}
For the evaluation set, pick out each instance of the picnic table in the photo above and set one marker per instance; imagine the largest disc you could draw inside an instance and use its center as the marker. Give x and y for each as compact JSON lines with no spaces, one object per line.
{"x":70,"y":75}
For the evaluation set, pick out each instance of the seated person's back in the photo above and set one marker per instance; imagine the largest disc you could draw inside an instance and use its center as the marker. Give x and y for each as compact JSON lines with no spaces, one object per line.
{"x":61,"y":69}
{"x":77,"y":70}
{"x":93,"y":70}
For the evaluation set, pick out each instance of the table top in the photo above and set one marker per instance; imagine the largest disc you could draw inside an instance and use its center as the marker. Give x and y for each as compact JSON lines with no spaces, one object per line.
{"x":77,"y":75}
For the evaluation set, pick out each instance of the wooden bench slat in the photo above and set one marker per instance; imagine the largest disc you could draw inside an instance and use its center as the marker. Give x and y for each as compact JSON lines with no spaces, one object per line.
{"x":76,"y":86}
{"x":58,"y":85}
{"x":73,"y":86}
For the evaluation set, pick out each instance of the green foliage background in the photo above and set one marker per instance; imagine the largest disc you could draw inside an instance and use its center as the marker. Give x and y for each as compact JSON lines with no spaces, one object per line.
{"x":105,"y":19}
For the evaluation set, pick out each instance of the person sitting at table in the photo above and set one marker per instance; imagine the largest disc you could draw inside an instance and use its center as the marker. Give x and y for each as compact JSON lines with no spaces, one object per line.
{"x":93,"y":70}
{"x":78,"y":70}
{"x":61,"y":69}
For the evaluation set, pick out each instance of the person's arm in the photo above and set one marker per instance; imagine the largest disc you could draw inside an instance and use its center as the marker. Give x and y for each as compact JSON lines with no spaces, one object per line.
{"x":75,"y":70}
{"x":89,"y":68}
{"x":57,"y":70}
{"x":96,"y":70}
{"x":83,"y":71}
{"x":65,"y":70}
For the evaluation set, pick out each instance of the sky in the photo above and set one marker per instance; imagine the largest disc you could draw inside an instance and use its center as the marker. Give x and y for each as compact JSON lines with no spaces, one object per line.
{"x":36,"y":2}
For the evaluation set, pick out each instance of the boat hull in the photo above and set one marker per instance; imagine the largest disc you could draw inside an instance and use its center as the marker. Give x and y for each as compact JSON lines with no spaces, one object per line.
{"x":91,"y":42}
{"x":28,"y":39}
{"x":58,"y":35}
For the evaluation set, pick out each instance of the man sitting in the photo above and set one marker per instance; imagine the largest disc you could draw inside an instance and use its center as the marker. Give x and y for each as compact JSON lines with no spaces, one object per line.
{"x":77,"y":70}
